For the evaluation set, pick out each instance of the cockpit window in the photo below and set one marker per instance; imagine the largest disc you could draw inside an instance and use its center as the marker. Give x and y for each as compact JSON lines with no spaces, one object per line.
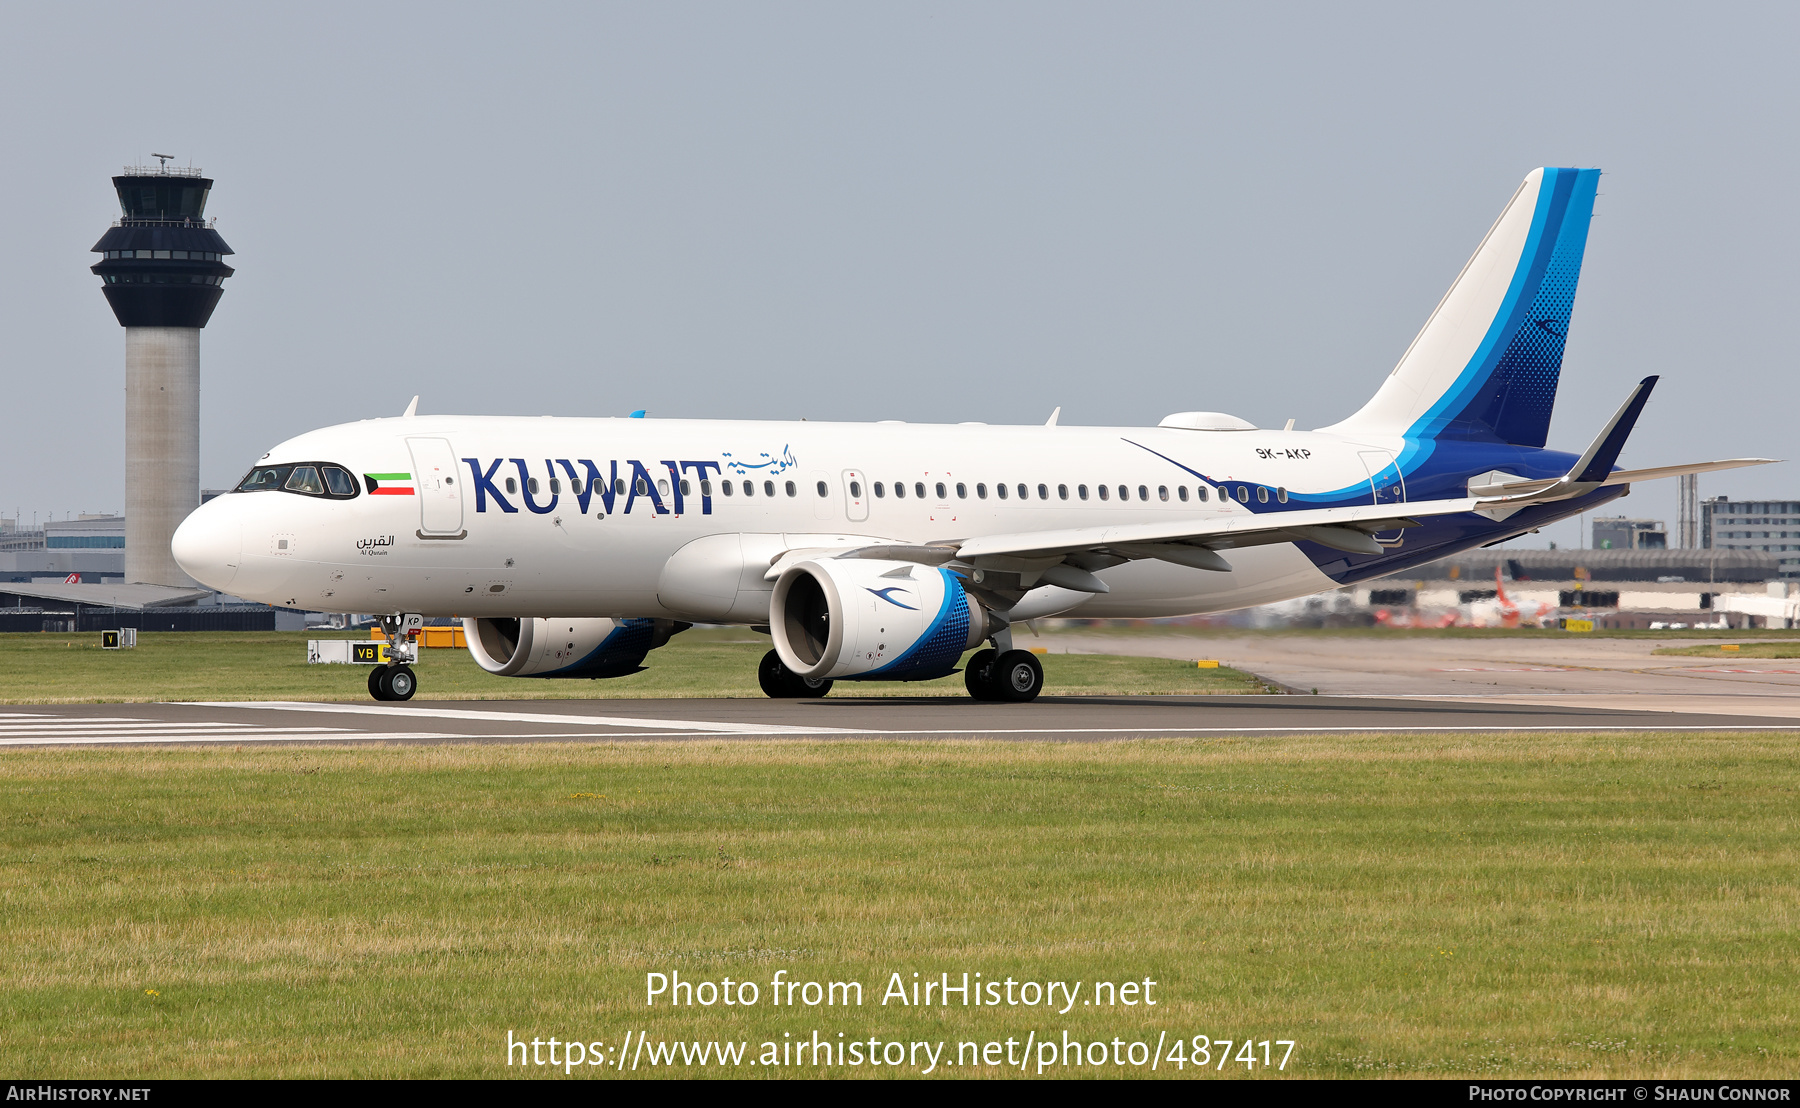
{"x":332,"y":482}
{"x":337,"y":482}
{"x":263,"y":478}
{"x":305,"y":479}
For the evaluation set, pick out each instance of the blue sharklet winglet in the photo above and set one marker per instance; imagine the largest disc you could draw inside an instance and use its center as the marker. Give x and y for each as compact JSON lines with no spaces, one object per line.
{"x":1597,"y":463}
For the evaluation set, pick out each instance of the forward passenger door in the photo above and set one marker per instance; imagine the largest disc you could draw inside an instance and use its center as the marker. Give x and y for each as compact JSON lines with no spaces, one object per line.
{"x":440,"y":494}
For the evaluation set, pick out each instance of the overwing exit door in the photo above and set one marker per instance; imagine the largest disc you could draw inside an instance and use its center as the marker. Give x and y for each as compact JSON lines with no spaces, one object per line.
{"x":440,"y":493}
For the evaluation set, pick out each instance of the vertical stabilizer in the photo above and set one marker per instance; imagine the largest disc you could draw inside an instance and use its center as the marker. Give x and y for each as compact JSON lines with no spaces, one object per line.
{"x":1486,"y":365}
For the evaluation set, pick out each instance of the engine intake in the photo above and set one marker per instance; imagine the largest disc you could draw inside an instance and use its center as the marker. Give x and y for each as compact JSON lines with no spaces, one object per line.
{"x":865,"y":619}
{"x":565,"y":647}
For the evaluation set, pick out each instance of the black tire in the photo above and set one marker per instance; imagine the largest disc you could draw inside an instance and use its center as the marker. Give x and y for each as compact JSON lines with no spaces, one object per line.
{"x":1018,"y":677}
{"x":376,"y":688}
{"x":781,"y":683}
{"x":978,"y":675}
{"x":400,"y":683}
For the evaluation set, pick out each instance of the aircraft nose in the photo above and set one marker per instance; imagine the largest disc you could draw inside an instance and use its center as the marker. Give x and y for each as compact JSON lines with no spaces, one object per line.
{"x":209,"y":545}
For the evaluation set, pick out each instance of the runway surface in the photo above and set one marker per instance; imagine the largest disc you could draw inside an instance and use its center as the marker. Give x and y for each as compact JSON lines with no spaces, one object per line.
{"x":1550,"y":668}
{"x":1081,"y":719}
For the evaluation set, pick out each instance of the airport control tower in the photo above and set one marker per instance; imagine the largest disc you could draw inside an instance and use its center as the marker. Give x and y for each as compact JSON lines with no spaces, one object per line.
{"x":164,"y":269}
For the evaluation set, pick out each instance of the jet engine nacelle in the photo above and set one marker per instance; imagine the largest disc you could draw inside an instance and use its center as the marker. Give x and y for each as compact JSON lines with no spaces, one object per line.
{"x":565,"y":647}
{"x":867,"y":619}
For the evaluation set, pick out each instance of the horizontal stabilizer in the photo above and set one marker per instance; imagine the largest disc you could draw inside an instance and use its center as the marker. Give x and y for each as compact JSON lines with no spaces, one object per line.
{"x":1620,"y":477}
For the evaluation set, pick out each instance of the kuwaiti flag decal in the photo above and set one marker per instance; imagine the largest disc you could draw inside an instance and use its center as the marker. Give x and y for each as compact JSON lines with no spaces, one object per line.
{"x":379,"y":484}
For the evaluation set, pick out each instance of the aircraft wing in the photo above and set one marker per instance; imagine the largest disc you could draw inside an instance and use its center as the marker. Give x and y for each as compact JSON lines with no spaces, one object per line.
{"x":1341,"y":528}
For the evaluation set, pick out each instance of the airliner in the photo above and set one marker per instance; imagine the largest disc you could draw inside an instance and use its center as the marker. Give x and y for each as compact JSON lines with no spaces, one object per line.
{"x":573,"y":547}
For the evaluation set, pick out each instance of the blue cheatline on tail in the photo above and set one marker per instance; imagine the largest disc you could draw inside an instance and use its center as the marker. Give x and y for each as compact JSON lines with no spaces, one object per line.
{"x":1485,"y":366}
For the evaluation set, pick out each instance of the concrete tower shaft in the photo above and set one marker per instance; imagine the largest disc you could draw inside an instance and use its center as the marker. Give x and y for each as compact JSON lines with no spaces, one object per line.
{"x":162,"y":447}
{"x":164,"y":271}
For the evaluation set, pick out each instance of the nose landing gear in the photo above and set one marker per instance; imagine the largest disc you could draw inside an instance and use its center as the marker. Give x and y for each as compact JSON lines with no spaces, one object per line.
{"x":396,"y":680}
{"x":392,"y":682}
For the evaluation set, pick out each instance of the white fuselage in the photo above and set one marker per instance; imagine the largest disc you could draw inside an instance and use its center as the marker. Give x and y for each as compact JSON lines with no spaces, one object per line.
{"x":448,"y":545}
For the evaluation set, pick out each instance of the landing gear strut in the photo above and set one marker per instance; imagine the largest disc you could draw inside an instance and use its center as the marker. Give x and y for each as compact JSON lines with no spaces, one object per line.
{"x":396,"y":680}
{"x":782,"y":683}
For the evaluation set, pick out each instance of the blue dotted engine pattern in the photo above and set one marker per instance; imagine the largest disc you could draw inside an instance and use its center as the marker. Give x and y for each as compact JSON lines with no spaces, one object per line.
{"x":940,"y":648}
{"x":620,"y":653}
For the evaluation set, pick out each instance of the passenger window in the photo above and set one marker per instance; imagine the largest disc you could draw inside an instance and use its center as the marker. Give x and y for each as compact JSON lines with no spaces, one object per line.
{"x":1000,"y":491}
{"x":880,"y":491}
{"x":768,"y":488}
{"x":1062,"y":492}
{"x":1024,"y":493}
{"x":790,"y":489}
{"x":512,"y":486}
{"x":919,"y":489}
{"x":1281,"y":495}
{"x":1081,"y":491}
{"x":980,"y":490}
{"x":1104,"y":492}
{"x":705,"y":486}
{"x":823,"y":491}
{"x":662,"y":486}
{"x":618,"y":486}
{"x":1200,"y":493}
{"x":686,"y":488}
{"x":1124,"y":492}
{"x":749,"y":488}
{"x":555,"y":487}
{"x":1243,"y":495}
{"x":305,"y":480}
{"x":1262,"y":495}
{"x":943,"y":493}
{"x":342,"y":484}
{"x":1181,"y":492}
{"x":856,"y":490}
{"x":575,"y":485}
{"x":724,"y":487}
{"x":1162,"y":491}
{"x":531,"y":483}
{"x":899,"y":490}
{"x":1043,"y":492}
{"x":1143,"y":493}
{"x":962,"y":491}
{"x":638,"y":485}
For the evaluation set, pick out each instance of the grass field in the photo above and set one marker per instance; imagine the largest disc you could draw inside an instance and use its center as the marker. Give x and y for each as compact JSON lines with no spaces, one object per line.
{"x":1399,"y":905}
{"x":71,"y":668}
{"x":1744,"y":650}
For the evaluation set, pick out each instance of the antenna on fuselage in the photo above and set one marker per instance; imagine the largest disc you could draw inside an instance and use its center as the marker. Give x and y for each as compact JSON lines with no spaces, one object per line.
{"x":1051,"y":422}
{"x":411,"y":409}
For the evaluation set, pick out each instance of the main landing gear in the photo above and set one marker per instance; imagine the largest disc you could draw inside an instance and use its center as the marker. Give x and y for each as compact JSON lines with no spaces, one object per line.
{"x":396,"y":680}
{"x":782,"y":683}
{"x":1015,"y":676}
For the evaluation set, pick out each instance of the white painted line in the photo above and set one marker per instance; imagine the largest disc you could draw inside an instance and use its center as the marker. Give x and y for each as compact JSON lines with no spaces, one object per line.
{"x":19,"y":728}
{"x":270,"y":736}
{"x":39,"y":721}
{"x":537,"y":717}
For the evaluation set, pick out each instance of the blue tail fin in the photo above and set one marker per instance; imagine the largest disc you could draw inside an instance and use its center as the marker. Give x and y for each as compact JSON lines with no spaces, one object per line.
{"x":1487,"y":363}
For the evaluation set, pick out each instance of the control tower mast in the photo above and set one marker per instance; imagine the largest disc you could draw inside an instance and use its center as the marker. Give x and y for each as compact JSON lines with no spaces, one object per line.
{"x":164,"y":269}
